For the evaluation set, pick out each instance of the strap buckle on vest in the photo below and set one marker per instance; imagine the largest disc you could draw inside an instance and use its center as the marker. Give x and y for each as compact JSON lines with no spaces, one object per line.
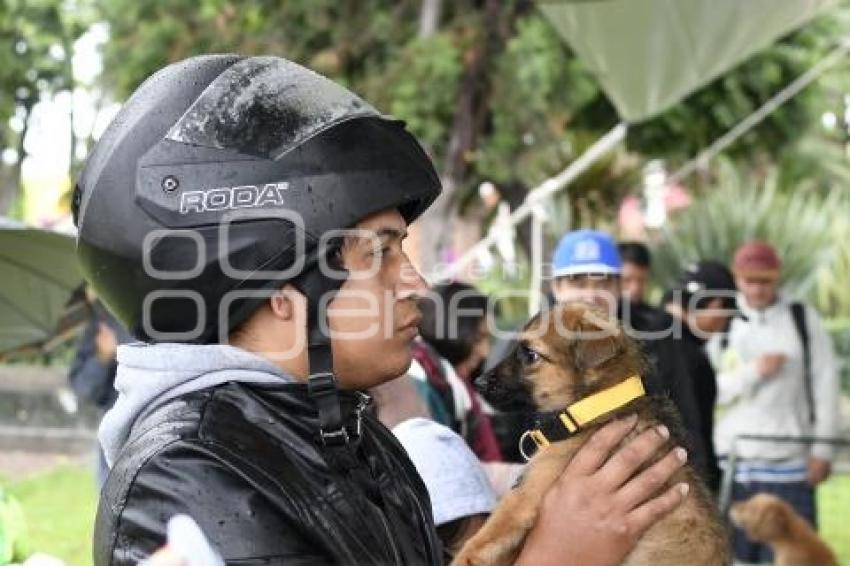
{"x":332,"y":431}
{"x":337,"y":437}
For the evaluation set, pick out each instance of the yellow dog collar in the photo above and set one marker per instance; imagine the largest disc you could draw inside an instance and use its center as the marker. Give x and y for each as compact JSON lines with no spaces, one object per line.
{"x":580,"y":413}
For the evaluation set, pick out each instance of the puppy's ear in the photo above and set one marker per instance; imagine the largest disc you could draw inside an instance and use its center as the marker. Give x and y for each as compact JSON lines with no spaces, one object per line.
{"x":592,"y":353}
{"x":769,"y":523}
{"x":776,"y":517}
{"x":598,"y":340}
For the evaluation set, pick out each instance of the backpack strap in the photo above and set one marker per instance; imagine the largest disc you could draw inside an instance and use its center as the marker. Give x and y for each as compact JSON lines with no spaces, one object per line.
{"x":724,"y":339}
{"x":798,"y":313}
{"x":727,"y":328}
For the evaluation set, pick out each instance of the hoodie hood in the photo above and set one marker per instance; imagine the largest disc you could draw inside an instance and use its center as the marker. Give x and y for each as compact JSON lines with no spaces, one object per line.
{"x":151,"y":374}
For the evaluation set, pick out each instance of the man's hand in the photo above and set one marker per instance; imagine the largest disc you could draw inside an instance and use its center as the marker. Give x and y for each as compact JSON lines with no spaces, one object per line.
{"x":105,"y":343}
{"x":594,"y":515}
{"x":768,"y":365}
{"x":819,"y":470}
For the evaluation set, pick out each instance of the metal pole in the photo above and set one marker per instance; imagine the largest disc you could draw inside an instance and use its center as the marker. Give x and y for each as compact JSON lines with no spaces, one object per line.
{"x":725,"y":495}
{"x":545,"y":190}
{"x":538,"y":220}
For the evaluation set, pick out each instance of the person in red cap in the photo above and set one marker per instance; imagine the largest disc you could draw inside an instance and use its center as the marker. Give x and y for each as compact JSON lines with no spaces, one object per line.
{"x":776,"y":377}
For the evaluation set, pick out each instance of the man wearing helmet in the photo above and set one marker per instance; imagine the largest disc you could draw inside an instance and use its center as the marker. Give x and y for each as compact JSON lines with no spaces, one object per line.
{"x":263,"y":315}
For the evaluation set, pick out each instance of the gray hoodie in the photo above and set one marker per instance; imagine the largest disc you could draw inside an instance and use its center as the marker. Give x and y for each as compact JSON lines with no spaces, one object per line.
{"x":151,"y":374}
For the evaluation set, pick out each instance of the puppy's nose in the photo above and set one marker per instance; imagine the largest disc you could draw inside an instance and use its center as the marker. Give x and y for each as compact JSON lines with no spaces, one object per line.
{"x":482,"y":382}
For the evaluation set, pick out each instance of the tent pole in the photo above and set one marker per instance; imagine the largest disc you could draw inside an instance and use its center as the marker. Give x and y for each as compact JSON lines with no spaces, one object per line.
{"x":701,"y":160}
{"x":538,"y":196}
{"x":538,"y":220}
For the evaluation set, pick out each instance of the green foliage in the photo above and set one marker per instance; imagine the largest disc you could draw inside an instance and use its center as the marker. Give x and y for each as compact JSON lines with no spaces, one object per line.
{"x":541,"y":103}
{"x":350,"y":41}
{"x":832,"y":292}
{"x":533,"y":102}
{"x":839,"y":330}
{"x":421,"y":88}
{"x":736,"y":209}
{"x":37,"y":38}
{"x":28,"y":31}
{"x":833,"y":500}
{"x":682,"y":131}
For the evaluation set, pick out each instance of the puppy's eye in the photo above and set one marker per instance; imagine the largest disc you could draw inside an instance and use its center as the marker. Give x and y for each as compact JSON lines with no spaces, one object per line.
{"x":528,"y":356}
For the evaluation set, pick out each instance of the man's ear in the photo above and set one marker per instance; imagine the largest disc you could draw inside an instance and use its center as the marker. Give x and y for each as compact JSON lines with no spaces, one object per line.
{"x":283,"y":302}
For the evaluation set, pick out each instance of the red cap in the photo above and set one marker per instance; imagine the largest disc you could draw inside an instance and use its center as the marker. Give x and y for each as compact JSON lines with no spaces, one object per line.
{"x":756,"y":259}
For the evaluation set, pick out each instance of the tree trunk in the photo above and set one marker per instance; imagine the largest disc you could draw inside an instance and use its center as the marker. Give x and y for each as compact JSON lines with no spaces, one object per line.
{"x":469,"y":119}
{"x":429,"y":17}
{"x":11,"y":199}
{"x":418,"y":245}
{"x":73,"y":164}
{"x":514,"y":194}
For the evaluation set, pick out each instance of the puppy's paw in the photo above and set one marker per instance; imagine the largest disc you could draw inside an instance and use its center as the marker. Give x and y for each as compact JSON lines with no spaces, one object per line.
{"x":475,"y":558}
{"x":467,"y":558}
{"x":489,"y":553}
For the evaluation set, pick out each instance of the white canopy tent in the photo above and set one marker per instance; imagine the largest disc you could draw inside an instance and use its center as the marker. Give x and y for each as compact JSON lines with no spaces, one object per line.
{"x":648,"y":55}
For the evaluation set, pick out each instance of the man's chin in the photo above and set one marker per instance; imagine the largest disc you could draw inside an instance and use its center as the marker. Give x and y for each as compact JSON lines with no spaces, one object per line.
{"x":388,"y":370}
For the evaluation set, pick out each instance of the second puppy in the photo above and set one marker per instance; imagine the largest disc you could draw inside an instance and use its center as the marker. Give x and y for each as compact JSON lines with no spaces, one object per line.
{"x":768,"y":519}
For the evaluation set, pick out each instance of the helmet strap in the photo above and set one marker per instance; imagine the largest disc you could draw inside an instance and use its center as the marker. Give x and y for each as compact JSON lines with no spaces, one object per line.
{"x":321,"y":383}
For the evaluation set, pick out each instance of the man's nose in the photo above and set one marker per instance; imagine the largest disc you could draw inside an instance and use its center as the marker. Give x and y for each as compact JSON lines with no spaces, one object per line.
{"x":411,"y":282}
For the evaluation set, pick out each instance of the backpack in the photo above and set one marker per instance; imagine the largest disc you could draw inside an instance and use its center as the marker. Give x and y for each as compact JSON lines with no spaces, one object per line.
{"x":798,"y":313}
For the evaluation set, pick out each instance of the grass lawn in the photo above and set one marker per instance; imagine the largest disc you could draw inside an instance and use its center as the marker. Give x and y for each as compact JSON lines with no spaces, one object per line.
{"x":60,"y":506}
{"x":834,"y":515}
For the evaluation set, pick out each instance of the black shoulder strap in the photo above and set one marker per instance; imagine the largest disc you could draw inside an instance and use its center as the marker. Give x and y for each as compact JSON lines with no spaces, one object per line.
{"x":727,"y":328}
{"x":798,"y":313}
{"x":724,"y":339}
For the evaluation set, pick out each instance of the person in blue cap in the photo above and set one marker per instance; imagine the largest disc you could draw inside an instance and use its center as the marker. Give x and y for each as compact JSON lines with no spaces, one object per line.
{"x":586,"y":267}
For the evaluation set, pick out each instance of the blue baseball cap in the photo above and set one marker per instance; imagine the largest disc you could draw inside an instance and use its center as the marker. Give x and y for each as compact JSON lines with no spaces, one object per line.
{"x":583,"y":252}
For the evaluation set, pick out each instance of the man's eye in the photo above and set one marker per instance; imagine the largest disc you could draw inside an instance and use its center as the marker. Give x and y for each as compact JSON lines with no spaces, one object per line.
{"x":379,"y":251}
{"x":528,"y":356}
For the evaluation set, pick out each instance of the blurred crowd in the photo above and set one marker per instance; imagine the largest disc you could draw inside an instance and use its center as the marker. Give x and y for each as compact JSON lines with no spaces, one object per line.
{"x":234,"y":409}
{"x":734,"y":355}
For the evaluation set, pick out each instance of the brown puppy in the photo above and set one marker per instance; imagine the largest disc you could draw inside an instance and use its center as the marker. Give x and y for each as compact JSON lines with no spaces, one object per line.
{"x":768,"y":519}
{"x":571,"y":354}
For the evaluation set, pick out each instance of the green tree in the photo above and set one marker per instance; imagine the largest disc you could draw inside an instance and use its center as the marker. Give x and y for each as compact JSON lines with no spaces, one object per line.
{"x":37,"y":38}
{"x":489,"y":88}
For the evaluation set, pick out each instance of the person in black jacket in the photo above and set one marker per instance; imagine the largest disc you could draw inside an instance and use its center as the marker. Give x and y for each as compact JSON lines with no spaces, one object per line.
{"x":215,"y":220}
{"x":92,"y":372}
{"x":635,"y":272}
{"x":701,"y":301}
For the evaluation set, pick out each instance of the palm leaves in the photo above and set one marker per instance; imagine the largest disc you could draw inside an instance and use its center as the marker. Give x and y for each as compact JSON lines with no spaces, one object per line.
{"x":803,"y":225}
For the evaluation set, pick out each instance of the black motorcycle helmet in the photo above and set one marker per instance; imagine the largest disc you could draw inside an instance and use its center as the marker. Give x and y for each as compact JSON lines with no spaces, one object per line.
{"x":218,"y":182}
{"x":219,"y":177}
